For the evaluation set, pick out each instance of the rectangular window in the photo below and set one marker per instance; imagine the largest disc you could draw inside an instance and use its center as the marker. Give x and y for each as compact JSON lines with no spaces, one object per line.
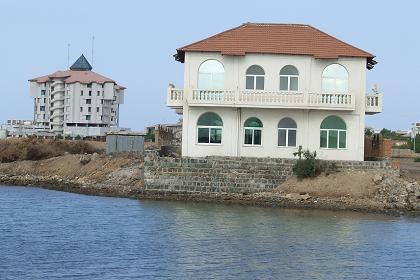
{"x":294,"y":83}
{"x":89,"y":85}
{"x":249,"y":82}
{"x":81,"y":109}
{"x":89,"y":109}
{"x":203,"y":135}
{"x":43,"y":92}
{"x":259,"y":82}
{"x":248,"y":137}
{"x":216,"y":135}
{"x":333,"y":139}
{"x":88,"y":101}
{"x":42,"y":108}
{"x":284,"y":83}
{"x":281,"y":137}
{"x":88,"y":117}
{"x":324,"y":137}
{"x":98,"y":93}
{"x":257,"y":136}
{"x":81,"y":93}
{"x":90,"y":93}
{"x":342,"y":139}
{"x":291,"y":138}
{"x":97,"y":109}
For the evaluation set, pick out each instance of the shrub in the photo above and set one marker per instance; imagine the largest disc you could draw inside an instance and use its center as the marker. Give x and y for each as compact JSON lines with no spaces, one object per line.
{"x":417,"y":159}
{"x":308,"y":166}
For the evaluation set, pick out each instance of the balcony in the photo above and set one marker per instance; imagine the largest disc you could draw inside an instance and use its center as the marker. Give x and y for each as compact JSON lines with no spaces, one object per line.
{"x":373,"y":103}
{"x":260,"y":99}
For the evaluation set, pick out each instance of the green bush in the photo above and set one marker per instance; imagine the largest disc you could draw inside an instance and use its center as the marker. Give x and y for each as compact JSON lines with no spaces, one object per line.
{"x":308,"y":166}
{"x":417,"y":159}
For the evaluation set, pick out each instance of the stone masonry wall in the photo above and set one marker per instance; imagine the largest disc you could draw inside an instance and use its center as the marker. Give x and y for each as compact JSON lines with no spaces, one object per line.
{"x":225,"y":174}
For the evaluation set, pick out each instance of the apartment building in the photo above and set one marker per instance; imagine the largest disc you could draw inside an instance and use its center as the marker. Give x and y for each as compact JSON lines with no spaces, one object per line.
{"x":77,"y":102}
{"x":263,"y":90}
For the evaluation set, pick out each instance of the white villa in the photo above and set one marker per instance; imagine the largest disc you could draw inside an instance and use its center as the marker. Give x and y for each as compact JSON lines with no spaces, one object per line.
{"x":263,"y":90}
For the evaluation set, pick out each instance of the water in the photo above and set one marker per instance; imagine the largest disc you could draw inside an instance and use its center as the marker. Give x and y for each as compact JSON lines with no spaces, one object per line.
{"x":55,"y":235}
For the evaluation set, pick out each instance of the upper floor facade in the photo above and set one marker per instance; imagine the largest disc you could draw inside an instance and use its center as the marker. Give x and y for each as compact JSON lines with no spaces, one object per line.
{"x":276,"y":77}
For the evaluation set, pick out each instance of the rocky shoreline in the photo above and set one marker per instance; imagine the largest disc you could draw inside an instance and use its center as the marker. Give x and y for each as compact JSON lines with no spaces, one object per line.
{"x":122,"y":177}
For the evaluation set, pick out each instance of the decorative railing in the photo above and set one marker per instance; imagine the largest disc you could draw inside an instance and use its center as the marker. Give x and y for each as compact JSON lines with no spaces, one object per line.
{"x":268,"y":99}
{"x":374,"y":103}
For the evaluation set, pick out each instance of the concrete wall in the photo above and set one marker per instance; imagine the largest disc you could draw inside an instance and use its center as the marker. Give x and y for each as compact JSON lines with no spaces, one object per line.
{"x":226,"y":174}
{"x":308,"y":121}
{"x":124,"y":143}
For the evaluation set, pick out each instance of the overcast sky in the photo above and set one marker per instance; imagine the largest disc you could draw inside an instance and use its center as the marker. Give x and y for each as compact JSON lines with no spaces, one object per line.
{"x":135,"y":41}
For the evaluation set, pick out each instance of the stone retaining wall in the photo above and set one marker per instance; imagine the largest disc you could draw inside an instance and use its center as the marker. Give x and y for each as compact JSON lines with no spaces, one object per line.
{"x":226,"y":174}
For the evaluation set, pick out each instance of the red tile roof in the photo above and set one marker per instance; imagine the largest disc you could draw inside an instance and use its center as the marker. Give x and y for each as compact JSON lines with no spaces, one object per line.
{"x":73,"y":76}
{"x":294,"y":39}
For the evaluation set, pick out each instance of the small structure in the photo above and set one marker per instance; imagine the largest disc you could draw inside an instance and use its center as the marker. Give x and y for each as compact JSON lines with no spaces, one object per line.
{"x":124,"y":141}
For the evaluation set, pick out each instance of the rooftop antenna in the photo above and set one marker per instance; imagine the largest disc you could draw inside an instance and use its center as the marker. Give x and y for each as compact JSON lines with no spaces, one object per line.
{"x":68,"y":55}
{"x":93,"y":47}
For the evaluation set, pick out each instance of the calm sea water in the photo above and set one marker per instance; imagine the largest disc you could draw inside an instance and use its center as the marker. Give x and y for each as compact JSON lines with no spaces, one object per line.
{"x":55,"y":235}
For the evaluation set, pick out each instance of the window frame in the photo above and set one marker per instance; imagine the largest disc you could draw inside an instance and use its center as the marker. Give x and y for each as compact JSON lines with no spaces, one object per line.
{"x":210,"y":127}
{"x":335,"y":127}
{"x":212,"y":74}
{"x":254,"y":78}
{"x":288,"y":79}
{"x":347,"y":91}
{"x":287,"y":137}
{"x":328,"y":130}
{"x":253,"y":129}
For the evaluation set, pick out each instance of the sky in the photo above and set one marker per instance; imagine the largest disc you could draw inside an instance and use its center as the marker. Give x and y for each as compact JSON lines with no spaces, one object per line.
{"x":135,"y":41}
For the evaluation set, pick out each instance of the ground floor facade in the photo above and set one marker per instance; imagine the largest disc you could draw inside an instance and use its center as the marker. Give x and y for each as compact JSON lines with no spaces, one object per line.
{"x":276,"y":133}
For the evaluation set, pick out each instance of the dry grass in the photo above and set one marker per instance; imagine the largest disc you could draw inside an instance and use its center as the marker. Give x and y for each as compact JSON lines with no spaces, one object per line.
{"x":37,"y":149}
{"x":342,"y":184}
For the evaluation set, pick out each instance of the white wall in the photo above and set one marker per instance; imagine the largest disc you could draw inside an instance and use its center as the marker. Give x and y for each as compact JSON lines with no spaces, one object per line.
{"x":308,"y":134}
{"x":308,"y":121}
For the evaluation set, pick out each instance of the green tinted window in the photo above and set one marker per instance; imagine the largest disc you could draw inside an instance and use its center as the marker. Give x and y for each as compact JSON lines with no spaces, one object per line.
{"x":210,"y":119}
{"x":324,"y":138}
{"x":333,"y":139}
{"x":333,"y":122}
{"x":253,"y":122}
{"x":203,"y":135}
{"x":342,"y":142}
{"x":248,"y":137}
{"x":216,"y":135}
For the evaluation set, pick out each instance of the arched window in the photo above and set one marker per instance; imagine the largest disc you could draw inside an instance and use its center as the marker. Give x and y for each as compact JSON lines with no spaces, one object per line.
{"x":209,"y":129}
{"x":253,"y":132}
{"x":287,"y":133}
{"x":335,"y":79}
{"x":289,"y":78}
{"x":211,"y":75}
{"x":333,"y":133}
{"x":255,"y":77}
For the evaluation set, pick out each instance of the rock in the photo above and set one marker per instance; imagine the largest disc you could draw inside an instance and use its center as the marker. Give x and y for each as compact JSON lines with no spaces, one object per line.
{"x":94,"y":156}
{"x":377,"y":179}
{"x":85,"y":159}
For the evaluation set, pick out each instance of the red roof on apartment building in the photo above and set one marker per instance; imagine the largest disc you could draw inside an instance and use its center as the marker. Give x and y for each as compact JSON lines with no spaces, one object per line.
{"x":267,"y":38}
{"x":80,"y":72}
{"x":74,"y":76}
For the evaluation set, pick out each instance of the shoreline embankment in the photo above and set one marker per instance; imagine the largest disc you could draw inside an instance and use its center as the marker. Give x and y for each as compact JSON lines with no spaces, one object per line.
{"x":374,"y":191}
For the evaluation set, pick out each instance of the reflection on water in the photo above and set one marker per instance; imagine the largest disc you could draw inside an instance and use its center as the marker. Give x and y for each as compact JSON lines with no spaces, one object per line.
{"x":55,"y":235}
